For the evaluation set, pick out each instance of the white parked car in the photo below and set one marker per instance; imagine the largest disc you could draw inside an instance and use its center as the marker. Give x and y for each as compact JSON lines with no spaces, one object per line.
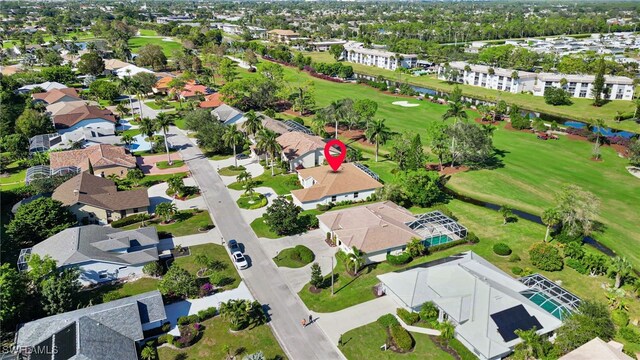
{"x":239,"y":260}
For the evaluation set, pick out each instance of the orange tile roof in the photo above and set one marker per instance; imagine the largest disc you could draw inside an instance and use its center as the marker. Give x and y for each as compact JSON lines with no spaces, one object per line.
{"x":103,"y":155}
{"x":54,"y":95}
{"x":191,"y":89}
{"x":347,"y":179}
{"x":163,"y":83}
{"x":212,"y":101}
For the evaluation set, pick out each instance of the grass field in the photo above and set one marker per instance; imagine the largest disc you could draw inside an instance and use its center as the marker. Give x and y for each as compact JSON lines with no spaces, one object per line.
{"x":290,"y":258}
{"x":167,"y":46}
{"x":281,"y":184}
{"x":581,"y":109}
{"x":213,"y":252}
{"x":148,"y":32}
{"x":13,"y":177}
{"x":98,"y":296}
{"x":188,"y":222}
{"x":217,"y":335}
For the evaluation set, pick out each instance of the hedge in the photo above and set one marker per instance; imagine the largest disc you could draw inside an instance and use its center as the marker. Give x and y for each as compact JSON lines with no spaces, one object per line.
{"x":207,"y":313}
{"x":408,"y":317}
{"x":401,"y":259}
{"x":502,"y":249}
{"x":186,"y":320}
{"x":445,"y":246}
{"x":165,"y":338}
{"x":306,"y":255}
{"x":516,"y":270}
{"x":620,"y":318}
{"x":577,"y":265}
{"x":462,"y":350}
{"x":472,"y":237}
{"x":132,"y":219}
{"x":387,"y":321}
{"x":630,"y":334}
{"x":401,"y":338}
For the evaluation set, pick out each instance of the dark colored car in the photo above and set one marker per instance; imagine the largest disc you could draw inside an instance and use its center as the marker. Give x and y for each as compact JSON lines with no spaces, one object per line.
{"x":233,"y":246}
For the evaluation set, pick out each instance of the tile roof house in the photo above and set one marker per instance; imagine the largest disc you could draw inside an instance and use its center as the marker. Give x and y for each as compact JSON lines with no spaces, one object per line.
{"x":70,"y":117}
{"x":383,"y":228}
{"x":597,"y":349}
{"x":322,"y":185}
{"x":100,"y":253}
{"x":162,"y":85}
{"x":485,"y":304}
{"x":104,"y":158}
{"x":277,"y":126}
{"x":57,"y":95}
{"x":211,"y":101}
{"x":283,"y":36}
{"x":113,"y":330}
{"x":112,"y":65}
{"x":193,"y":90}
{"x":228,"y":115}
{"x":301,"y":150}
{"x":95,"y":199}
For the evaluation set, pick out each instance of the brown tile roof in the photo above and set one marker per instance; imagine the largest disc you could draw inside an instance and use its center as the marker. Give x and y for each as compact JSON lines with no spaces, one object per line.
{"x":99,"y":192}
{"x":193,"y":90}
{"x":103,"y":155}
{"x":283,"y":32}
{"x":212,"y":101}
{"x":82,"y":113}
{"x":347,"y":179}
{"x":372,"y":227}
{"x":295,"y":143}
{"x":163,"y":83}
{"x":64,"y":107}
{"x":55,"y":95}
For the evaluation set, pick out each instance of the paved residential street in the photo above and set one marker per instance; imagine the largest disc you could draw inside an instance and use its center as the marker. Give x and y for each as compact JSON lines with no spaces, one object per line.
{"x":285,"y":309}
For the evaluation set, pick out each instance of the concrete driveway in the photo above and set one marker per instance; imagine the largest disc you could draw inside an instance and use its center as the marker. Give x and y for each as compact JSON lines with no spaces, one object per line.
{"x":158,"y":194}
{"x":251,"y":164}
{"x":296,"y":279}
{"x":148,"y":164}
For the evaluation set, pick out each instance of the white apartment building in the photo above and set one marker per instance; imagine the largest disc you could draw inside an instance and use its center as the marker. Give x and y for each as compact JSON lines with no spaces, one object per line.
{"x":355,"y":52}
{"x":578,"y":86}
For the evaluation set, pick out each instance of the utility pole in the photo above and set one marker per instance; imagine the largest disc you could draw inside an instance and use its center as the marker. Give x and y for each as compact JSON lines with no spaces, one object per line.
{"x":332,"y":276}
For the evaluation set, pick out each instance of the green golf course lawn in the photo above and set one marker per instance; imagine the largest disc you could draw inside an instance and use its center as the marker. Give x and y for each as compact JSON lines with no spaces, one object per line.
{"x":167,"y":46}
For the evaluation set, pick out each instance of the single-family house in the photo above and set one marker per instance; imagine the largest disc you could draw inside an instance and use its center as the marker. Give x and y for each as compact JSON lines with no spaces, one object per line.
{"x":322,"y":185}
{"x":45,"y":86}
{"x":112,"y":330}
{"x":57,"y":95}
{"x":100,"y":253}
{"x":131,"y":70}
{"x":301,"y":150}
{"x":282,"y":36}
{"x":211,"y":101}
{"x":228,"y":115}
{"x":485,"y":304}
{"x":384,"y":228}
{"x":193,"y":91}
{"x":598,"y":349}
{"x":71,"y":116}
{"x":277,"y":126}
{"x":81,"y":137}
{"x":162,"y":85}
{"x":113,"y":65}
{"x":104,"y":159}
{"x":94,"y":199}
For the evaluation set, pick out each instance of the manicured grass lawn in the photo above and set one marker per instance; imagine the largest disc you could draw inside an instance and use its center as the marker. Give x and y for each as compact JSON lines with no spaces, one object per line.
{"x":13,"y":176}
{"x":165,"y":164}
{"x":281,"y":184}
{"x":213,"y":252}
{"x":97,"y":296}
{"x":150,"y":180}
{"x":218,"y":156}
{"x":217,"y":335}
{"x":534,"y":170}
{"x":231,"y":170}
{"x":290,"y":258}
{"x":580,"y":110}
{"x":132,"y":132}
{"x":262,"y":230}
{"x":167,"y":46}
{"x":364,"y":343}
{"x":188,"y":223}
{"x":180,"y":123}
{"x":147,"y":32}
{"x":252,"y":202}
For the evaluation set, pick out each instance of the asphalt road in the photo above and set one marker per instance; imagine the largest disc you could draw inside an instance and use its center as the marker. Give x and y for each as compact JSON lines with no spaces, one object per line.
{"x":285,"y":309}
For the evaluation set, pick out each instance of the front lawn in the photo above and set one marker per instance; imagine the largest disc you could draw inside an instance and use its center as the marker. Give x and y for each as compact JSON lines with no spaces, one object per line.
{"x":217,"y":335}
{"x":150,"y":180}
{"x":281,"y":184}
{"x":364,"y":343}
{"x":188,"y":222}
{"x":165,"y":164}
{"x":13,"y":176}
{"x":213,"y":252}
{"x":106,"y":293}
{"x":252,"y":202}
{"x":262,"y":230}
{"x":231,"y":170}
{"x":292,"y":257}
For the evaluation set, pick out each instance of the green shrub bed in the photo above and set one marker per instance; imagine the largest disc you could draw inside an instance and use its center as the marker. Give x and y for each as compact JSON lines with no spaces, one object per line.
{"x":502,"y":249}
{"x":295,"y":257}
{"x":252,"y":202}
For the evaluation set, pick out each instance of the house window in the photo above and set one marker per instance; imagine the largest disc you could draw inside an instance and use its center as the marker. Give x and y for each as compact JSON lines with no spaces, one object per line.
{"x":583,"y":93}
{"x":355,"y":195}
{"x":333,"y":198}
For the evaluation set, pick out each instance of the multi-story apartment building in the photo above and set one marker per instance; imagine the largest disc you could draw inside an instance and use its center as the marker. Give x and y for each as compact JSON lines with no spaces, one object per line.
{"x":578,"y":86}
{"x":356,"y":52}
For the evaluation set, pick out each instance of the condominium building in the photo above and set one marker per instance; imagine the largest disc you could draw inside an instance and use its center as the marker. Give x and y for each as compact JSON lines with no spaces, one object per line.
{"x":356,"y":52}
{"x":514,"y":81}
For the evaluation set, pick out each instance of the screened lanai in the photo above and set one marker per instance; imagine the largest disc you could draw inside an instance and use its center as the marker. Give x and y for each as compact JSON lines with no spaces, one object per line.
{"x":550,"y":296}
{"x":437,"y":228}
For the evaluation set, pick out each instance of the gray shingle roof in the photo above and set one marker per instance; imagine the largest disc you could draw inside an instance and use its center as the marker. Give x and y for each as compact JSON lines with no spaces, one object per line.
{"x":93,"y":242}
{"x":225,"y":112}
{"x":105,"y":331}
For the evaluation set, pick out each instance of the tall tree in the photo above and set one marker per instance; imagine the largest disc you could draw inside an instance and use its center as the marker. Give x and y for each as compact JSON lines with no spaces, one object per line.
{"x":620,"y":266}
{"x":599,"y":126}
{"x":59,"y":291}
{"x":162,"y":122}
{"x":91,"y":63}
{"x":148,"y":128}
{"x":13,"y":295}
{"x":38,"y":220}
{"x":266,"y":142}
{"x":253,"y":123}
{"x":151,"y":55}
{"x":598,"y":86}
{"x":32,"y":122}
{"x":233,"y":137}
{"x":577,"y":209}
{"x":378,"y":133}
{"x":457,"y":112}
{"x":551,"y":218}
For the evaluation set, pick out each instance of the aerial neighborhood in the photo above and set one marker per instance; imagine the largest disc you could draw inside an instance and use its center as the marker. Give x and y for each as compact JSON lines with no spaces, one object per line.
{"x":319,"y":180}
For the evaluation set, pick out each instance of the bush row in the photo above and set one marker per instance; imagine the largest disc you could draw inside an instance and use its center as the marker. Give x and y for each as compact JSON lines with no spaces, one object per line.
{"x":399,"y":259}
{"x":408,"y":317}
{"x":401,"y":338}
{"x":201,"y":316}
{"x":388,"y":320}
{"x":132,"y":219}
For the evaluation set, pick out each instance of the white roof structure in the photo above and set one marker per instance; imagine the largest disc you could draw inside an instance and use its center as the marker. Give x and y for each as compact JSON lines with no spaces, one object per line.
{"x":46,"y":86}
{"x":597,"y":349}
{"x":131,"y":70}
{"x":484,"y":302}
{"x":359,"y":47}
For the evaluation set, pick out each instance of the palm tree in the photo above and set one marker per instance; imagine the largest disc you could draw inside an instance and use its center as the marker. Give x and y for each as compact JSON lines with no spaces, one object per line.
{"x":447,"y":331}
{"x":148,"y":353}
{"x":355,"y":258}
{"x":317,"y":126}
{"x":600,"y":125}
{"x":378,"y":133}
{"x":507,"y":213}
{"x":531,"y":346}
{"x":457,"y":112}
{"x":620,"y":266}
{"x":122,"y":110}
{"x":162,"y":122}
{"x":148,"y":128}
{"x":243,"y":177}
{"x":127,"y":139}
{"x":551,"y":218}
{"x":253,"y":123}
{"x":176,"y":184}
{"x":232,"y":137}
{"x":249,"y":187}
{"x":267,"y":142}
{"x":166,"y":210}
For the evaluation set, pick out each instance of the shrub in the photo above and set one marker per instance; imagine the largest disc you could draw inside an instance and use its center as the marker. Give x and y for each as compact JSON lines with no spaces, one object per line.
{"x":166,"y":327}
{"x":620,"y":318}
{"x":502,"y":249}
{"x":387,"y":321}
{"x":630,"y":334}
{"x":401,"y":338}
{"x":546,"y":257}
{"x":577,"y":266}
{"x":556,"y":96}
{"x":206,"y":289}
{"x":408,"y":317}
{"x":306,"y":255}
{"x":164,"y":338}
{"x":514,"y":258}
{"x":132,"y":219}
{"x":324,"y":207}
{"x":517,"y":270}
{"x":428,"y":311}
{"x":445,"y":246}
{"x":400,"y":259}
{"x":152,"y":269}
{"x":472,"y":238}
{"x":207,"y":313}
{"x":112,"y":296}
{"x":183,"y":320}
{"x":188,"y":334}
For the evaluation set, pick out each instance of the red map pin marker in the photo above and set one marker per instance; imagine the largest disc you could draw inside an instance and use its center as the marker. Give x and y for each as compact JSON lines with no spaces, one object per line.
{"x":335,"y":161}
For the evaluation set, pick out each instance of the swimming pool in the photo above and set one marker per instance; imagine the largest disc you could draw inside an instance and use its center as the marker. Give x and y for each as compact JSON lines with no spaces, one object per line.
{"x":437,"y":240}
{"x":549,"y":305}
